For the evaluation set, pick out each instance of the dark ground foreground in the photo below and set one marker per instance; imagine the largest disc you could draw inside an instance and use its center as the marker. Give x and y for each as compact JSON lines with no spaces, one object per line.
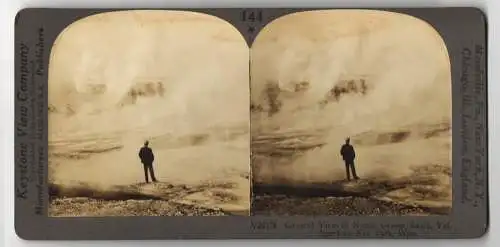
{"x":292,"y":201}
{"x":338,"y":206}
{"x":158,"y":199}
{"x":82,"y":207}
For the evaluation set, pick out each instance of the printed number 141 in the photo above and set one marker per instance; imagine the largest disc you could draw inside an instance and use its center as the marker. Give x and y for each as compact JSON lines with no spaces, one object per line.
{"x":252,"y":16}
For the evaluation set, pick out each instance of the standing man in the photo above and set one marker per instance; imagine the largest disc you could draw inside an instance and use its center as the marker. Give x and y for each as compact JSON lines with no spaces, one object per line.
{"x":348,"y":154}
{"x":147,"y":157}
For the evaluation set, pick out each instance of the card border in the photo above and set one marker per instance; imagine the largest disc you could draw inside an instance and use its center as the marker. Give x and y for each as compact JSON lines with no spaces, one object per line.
{"x":463,"y":30}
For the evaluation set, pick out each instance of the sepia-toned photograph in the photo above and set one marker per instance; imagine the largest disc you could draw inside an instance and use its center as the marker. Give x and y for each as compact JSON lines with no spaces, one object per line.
{"x":350,"y":116}
{"x":149,"y":116}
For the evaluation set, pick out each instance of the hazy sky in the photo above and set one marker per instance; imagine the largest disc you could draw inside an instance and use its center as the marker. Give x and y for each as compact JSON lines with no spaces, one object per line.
{"x":320,"y":46}
{"x":202,"y":60}
{"x":403,"y":58}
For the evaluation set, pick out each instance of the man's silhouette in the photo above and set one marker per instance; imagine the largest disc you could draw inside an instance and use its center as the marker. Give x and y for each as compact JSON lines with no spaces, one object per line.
{"x":348,"y":154}
{"x":147,"y":158}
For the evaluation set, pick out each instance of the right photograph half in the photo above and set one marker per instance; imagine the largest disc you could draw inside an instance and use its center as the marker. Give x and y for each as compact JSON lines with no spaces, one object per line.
{"x":350,"y":115}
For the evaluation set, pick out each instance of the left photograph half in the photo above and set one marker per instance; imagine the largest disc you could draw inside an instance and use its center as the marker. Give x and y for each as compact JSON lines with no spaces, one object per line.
{"x":149,"y":116}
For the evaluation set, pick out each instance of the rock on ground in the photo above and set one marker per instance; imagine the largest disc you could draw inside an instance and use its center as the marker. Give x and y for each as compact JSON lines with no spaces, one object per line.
{"x":82,"y":207}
